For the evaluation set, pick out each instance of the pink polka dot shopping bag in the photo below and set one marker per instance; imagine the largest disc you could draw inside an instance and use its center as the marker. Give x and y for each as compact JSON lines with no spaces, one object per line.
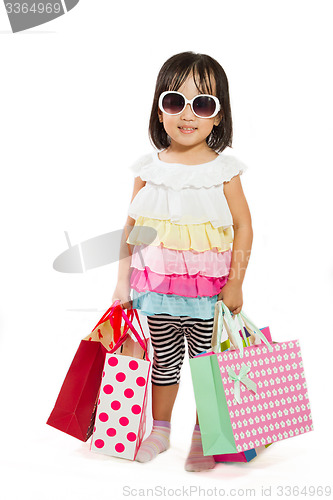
{"x":251,"y":396}
{"x":121,"y":411}
{"x":75,"y":407}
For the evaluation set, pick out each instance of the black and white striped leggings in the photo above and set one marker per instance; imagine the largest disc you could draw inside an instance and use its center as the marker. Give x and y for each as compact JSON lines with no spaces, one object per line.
{"x":167,"y":337}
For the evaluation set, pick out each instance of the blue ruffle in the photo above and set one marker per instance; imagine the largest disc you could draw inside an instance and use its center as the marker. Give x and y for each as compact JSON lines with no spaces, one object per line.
{"x":151,"y":303}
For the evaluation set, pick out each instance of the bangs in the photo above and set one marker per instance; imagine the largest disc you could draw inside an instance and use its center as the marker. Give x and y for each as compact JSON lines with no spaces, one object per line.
{"x":201,"y":75}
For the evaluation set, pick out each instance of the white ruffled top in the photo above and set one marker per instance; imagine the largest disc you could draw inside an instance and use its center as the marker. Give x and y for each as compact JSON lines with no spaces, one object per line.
{"x":184,"y":194}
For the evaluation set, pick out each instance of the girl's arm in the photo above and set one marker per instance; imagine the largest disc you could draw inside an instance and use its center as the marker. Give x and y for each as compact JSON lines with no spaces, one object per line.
{"x":122,"y":290}
{"x":231,"y":293}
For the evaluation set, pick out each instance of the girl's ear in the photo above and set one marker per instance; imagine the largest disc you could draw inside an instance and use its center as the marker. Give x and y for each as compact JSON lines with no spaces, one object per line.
{"x":218,"y":118}
{"x":160,"y":115}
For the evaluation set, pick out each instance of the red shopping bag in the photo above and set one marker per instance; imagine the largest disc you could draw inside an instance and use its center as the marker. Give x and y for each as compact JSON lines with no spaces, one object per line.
{"x":121,"y":413}
{"x":75,"y":407}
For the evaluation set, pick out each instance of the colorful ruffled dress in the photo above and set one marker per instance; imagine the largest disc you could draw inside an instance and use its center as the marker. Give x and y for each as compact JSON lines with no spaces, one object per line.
{"x":182,"y":235}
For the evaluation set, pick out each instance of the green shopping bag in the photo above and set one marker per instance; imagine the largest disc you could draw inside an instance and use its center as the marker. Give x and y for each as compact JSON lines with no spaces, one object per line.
{"x":212,"y":408}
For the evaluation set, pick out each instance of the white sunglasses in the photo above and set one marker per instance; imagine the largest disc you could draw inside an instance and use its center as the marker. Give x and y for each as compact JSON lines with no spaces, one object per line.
{"x":202,"y":105}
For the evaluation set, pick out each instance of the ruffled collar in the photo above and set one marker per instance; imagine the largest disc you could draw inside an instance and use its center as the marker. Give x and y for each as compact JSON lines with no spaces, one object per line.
{"x":164,"y":163}
{"x":178,"y":176}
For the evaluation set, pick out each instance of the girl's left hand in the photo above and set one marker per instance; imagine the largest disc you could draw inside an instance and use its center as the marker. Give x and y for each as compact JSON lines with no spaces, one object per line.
{"x":232,"y":296}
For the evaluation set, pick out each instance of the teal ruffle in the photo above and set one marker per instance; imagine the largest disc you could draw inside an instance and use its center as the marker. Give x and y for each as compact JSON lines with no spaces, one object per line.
{"x":150,"y":303}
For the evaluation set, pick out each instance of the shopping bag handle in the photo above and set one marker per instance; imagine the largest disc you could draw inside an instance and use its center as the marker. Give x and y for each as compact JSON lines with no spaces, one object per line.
{"x":233,"y":326}
{"x":256,"y":330}
{"x":143,"y":343}
{"x":108,"y":315}
{"x":133,"y":312}
{"x":234,"y":330}
{"x":231,"y":337}
{"x":218,"y":329}
{"x":114,"y":315}
{"x":122,"y":340}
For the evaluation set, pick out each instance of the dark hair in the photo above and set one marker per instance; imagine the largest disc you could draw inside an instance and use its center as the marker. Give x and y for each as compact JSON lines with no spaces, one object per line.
{"x":172,"y":75}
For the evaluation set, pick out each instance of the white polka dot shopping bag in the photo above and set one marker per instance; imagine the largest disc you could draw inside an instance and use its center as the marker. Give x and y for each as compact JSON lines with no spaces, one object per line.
{"x":121,"y":410}
{"x":249,"y":396}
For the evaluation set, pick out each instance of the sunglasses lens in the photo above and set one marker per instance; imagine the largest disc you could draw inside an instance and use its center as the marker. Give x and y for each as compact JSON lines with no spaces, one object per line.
{"x":173,"y":103}
{"x":204,"y":106}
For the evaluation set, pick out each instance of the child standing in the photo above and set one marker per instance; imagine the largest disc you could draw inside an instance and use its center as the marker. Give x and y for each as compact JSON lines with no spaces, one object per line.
{"x":185,"y":201}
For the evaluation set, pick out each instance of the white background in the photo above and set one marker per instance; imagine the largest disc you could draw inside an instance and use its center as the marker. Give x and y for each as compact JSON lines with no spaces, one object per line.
{"x":75,"y":98}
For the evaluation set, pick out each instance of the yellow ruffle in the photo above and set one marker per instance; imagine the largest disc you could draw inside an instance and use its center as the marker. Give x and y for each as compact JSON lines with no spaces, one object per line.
{"x":198,"y":237}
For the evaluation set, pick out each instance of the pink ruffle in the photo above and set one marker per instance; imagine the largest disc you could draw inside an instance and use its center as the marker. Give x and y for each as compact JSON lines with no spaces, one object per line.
{"x":164,"y":260}
{"x":185,"y":285}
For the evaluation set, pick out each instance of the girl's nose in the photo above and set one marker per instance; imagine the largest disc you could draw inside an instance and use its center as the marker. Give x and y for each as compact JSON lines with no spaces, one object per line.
{"x":187,"y":114}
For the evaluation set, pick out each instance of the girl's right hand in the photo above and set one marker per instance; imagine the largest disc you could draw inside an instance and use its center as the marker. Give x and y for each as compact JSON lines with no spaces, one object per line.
{"x":122,"y":293}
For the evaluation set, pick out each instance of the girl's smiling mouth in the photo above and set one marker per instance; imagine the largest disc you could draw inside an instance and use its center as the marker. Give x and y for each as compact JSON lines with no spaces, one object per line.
{"x":187,"y":130}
